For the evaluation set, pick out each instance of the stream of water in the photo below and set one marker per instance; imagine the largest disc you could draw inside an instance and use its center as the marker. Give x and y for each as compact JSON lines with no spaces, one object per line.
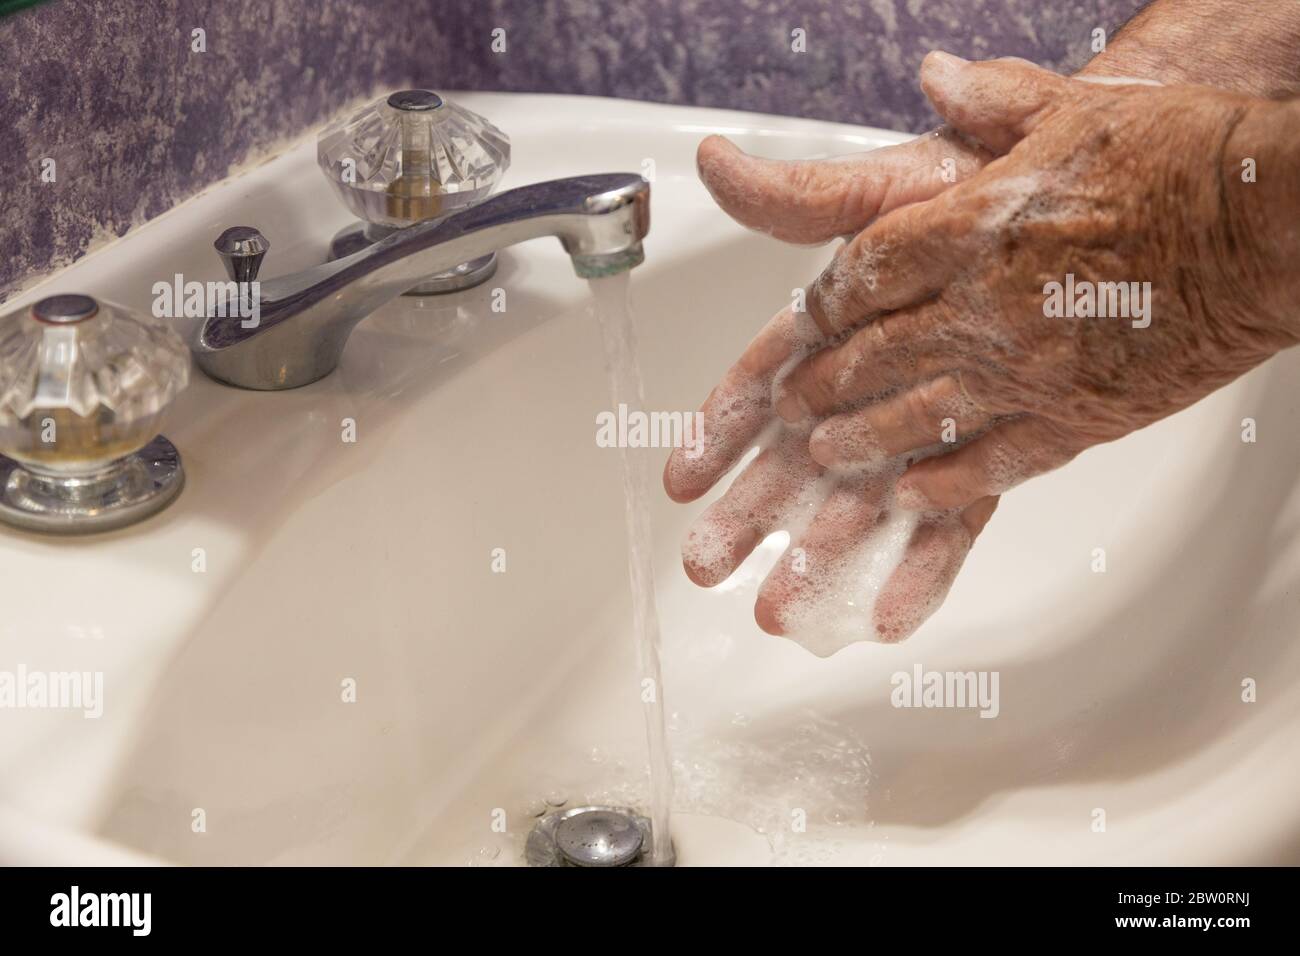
{"x":615,"y":316}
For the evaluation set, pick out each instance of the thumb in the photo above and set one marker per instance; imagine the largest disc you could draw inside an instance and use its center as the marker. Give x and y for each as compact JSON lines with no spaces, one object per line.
{"x":815,"y":201}
{"x":998,"y":102}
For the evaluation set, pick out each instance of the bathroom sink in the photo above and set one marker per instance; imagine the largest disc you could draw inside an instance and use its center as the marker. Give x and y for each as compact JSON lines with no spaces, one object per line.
{"x":296,"y":567}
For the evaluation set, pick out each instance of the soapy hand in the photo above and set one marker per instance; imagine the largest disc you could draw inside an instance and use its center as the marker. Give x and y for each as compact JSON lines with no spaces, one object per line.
{"x":784,"y":488}
{"x":937,"y":324}
{"x":993,"y":305}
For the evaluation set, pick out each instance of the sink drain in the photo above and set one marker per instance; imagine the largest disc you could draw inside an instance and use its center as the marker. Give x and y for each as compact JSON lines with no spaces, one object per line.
{"x":590,"y":836}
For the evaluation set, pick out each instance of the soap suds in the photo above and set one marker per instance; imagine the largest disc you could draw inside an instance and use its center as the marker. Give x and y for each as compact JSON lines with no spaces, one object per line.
{"x":802,"y":785}
{"x":835,"y":603}
{"x":847,"y":535}
{"x":1116,"y":80}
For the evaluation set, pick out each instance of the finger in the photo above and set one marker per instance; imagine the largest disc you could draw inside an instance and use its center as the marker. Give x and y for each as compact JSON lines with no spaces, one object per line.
{"x":809,"y":573}
{"x":753,"y":507}
{"x":998,"y":460}
{"x":934,"y":555}
{"x":933,"y":412}
{"x":815,"y":201}
{"x":899,"y":260}
{"x":998,"y":102}
{"x":898,"y":350}
{"x":738,"y":409}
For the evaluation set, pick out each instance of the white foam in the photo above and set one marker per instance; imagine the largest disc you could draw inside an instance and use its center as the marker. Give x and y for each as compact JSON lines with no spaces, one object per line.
{"x":1117,"y":80}
{"x":758,"y":770}
{"x":843,"y":612}
{"x":779,"y":493}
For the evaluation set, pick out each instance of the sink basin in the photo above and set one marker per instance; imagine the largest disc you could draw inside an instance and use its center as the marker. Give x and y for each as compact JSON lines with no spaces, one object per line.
{"x":313,"y":657}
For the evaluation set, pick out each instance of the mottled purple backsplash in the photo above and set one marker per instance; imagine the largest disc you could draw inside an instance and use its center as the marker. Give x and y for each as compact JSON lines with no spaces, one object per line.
{"x":136,"y":121}
{"x":860,"y":65}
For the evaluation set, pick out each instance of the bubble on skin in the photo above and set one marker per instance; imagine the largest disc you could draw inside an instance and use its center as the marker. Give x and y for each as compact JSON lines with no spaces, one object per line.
{"x":1005,"y":465}
{"x":852,"y":438}
{"x":956,"y":404}
{"x":707,"y":551}
{"x":947,"y":83}
{"x":837,"y":605}
{"x":1013,"y":202}
{"x":804,"y":333}
{"x":848,"y":439}
{"x":742,"y":403}
{"x":911,"y":498}
{"x":839,"y":596}
{"x":848,"y":372}
{"x":843,"y":591}
{"x":933,"y":562}
{"x":867,"y":259}
{"x":760,"y":500}
{"x":1117,"y":80}
{"x":836,"y":600}
{"x":837,"y":288}
{"x":845,"y":594}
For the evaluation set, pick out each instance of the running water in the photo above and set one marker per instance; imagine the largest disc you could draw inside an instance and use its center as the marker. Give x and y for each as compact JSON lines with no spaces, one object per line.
{"x":615,"y":317}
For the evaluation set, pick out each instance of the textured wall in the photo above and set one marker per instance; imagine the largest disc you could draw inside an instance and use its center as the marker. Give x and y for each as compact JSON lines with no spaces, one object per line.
{"x":136,"y":120}
{"x":860,"y":66}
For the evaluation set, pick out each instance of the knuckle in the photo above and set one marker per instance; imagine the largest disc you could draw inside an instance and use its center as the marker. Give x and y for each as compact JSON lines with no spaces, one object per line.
{"x":816,"y":381}
{"x":917,"y":411}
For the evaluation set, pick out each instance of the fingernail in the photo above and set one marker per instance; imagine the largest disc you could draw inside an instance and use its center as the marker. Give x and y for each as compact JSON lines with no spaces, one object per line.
{"x":713,"y":155}
{"x":823,"y":450}
{"x":910,"y":498}
{"x":948,"y":60}
{"x":939,"y":65}
{"x":791,"y":407}
{"x":768,"y":617}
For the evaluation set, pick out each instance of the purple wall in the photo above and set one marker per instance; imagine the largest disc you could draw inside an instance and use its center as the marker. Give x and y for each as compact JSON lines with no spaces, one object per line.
{"x":136,"y":121}
{"x":860,"y":66}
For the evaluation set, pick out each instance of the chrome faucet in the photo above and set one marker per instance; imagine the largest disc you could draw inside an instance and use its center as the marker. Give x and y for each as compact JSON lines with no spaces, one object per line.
{"x":304,"y":320}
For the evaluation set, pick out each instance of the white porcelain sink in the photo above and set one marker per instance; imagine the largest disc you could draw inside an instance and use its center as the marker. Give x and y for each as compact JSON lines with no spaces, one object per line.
{"x":478,"y":691}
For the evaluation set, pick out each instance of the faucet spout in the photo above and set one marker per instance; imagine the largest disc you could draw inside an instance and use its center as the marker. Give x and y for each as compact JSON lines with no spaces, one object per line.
{"x":304,"y":319}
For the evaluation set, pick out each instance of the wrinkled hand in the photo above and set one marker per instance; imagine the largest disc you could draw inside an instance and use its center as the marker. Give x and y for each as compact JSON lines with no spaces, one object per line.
{"x":1109,"y":184}
{"x":936,"y":312}
{"x":812,"y":202}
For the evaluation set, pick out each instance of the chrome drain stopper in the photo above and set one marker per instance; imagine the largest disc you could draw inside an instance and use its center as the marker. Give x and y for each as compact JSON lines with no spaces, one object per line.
{"x":590,"y":836}
{"x":599,"y":838}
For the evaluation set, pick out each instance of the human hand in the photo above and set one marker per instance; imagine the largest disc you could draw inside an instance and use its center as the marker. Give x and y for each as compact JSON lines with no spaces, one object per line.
{"x":835,"y":516}
{"x":950,"y":297}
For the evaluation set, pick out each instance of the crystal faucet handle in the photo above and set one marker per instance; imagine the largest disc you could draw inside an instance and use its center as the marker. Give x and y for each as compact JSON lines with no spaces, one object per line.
{"x":84,"y":382}
{"x":412,"y":156}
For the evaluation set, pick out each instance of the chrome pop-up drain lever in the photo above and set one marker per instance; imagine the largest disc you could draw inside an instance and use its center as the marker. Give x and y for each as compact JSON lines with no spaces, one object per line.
{"x":84,"y":387}
{"x":591,"y":836}
{"x":407,"y":158}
